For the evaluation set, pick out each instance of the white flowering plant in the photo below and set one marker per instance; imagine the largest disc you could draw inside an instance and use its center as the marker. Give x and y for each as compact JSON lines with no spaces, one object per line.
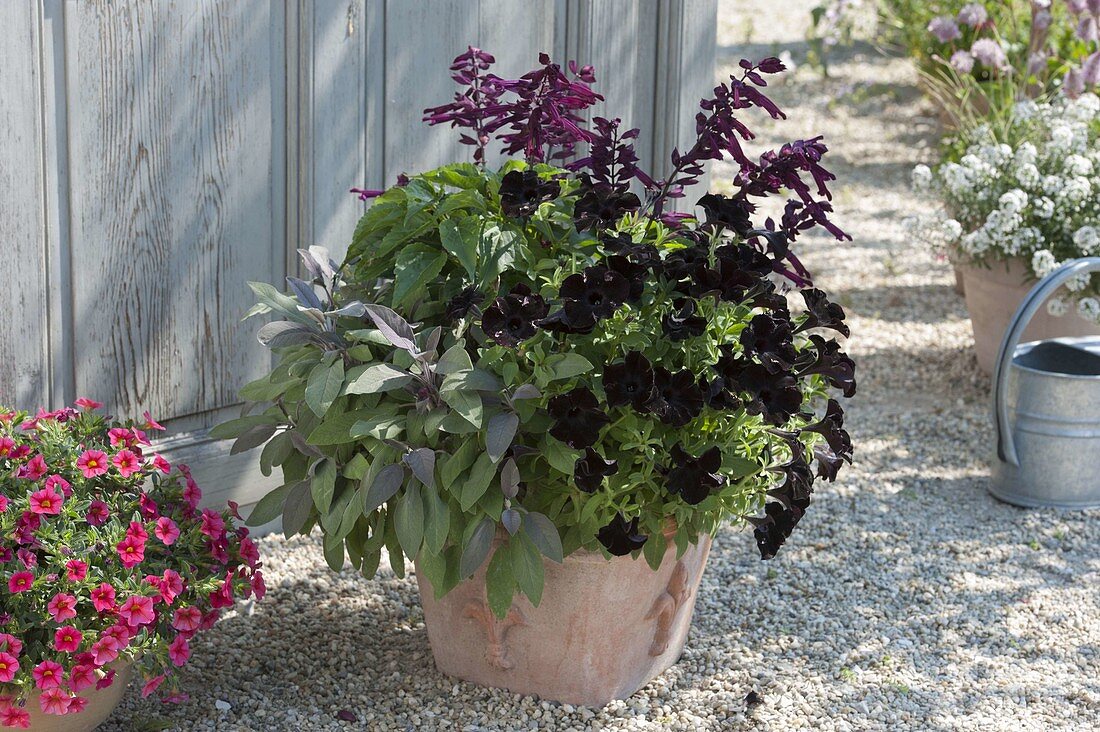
{"x":1028,"y":189}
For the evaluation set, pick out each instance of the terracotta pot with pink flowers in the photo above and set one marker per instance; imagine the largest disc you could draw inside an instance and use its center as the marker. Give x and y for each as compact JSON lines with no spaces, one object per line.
{"x":108,"y":567}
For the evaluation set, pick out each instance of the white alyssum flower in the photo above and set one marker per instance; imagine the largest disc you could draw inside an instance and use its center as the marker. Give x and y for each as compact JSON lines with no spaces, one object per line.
{"x":1036,"y":199}
{"x":1089,"y":309}
{"x":1057,"y":307}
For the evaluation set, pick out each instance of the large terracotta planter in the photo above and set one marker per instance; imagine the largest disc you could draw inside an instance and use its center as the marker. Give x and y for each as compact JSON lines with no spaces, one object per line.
{"x":101,"y":702}
{"x":604,"y":627}
{"x":992,"y":296}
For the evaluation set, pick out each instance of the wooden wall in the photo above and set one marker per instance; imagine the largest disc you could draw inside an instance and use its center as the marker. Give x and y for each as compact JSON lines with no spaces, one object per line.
{"x":156,"y":156}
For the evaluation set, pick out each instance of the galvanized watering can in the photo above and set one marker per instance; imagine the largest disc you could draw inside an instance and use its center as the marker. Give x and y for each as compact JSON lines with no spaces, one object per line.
{"x":1046,"y":403}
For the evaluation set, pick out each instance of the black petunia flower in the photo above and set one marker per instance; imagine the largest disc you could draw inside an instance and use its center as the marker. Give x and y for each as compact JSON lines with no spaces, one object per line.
{"x":578,"y":418}
{"x":621,"y":537}
{"x":820,"y":313}
{"x":633,"y":273}
{"x":521,"y":192}
{"x":679,"y":399}
{"x":730,"y":213}
{"x":828,"y":463}
{"x":621,"y":243}
{"x":694,"y":478}
{"x":831,"y":427}
{"x":775,"y":396}
{"x":630,"y":382}
{"x":464,"y":303}
{"x":798,"y":479}
{"x":682,"y":323}
{"x":590,"y":469}
{"x":511,"y":319}
{"x":585,"y":298}
{"x":600,"y":206}
{"x":717,"y":396}
{"x":827,"y":359}
{"x":775,"y":527}
{"x":769,"y":338}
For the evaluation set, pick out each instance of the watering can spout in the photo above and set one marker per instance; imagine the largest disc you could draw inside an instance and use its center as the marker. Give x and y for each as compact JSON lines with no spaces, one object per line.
{"x":1050,"y":453}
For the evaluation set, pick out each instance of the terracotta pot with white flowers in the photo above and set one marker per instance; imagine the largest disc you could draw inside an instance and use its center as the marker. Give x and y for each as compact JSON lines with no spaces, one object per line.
{"x":1024,"y":198}
{"x":548,"y":390}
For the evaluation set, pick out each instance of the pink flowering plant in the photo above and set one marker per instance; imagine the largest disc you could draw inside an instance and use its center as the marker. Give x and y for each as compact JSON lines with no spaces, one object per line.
{"x":106,"y":560}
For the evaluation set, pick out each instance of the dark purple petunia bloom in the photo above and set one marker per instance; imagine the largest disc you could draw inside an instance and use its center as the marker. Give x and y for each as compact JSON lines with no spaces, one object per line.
{"x":521,"y":192}
{"x":775,"y":396}
{"x":629,"y":382}
{"x":679,"y":398}
{"x":831,"y":427}
{"x":601,"y":206}
{"x":632,"y":272}
{"x":578,"y":418}
{"x":769,"y":338}
{"x":586,"y":297}
{"x":717,"y":396}
{"x":463,"y":304}
{"x":725,"y":212}
{"x":826,"y":359}
{"x":694,"y":478}
{"x":590,"y":470}
{"x":775,"y":527}
{"x":820,"y":313}
{"x":621,"y":537}
{"x":511,"y":319}
{"x":681,"y":322}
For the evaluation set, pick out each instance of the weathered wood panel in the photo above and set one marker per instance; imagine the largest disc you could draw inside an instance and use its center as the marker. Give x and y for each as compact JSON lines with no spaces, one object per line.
{"x":24,"y":324}
{"x":175,"y":143}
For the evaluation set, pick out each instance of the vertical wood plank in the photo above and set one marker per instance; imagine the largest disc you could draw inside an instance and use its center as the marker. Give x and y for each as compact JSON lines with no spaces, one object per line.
{"x":337,"y":106}
{"x":422,"y":38}
{"x":176,"y":157}
{"x":24,"y":326}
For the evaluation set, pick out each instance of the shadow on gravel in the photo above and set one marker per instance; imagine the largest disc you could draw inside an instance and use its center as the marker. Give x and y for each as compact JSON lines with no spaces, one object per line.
{"x":912,"y":304}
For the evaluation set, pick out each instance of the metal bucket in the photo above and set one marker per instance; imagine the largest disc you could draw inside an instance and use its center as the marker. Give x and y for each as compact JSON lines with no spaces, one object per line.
{"x":1046,"y":404}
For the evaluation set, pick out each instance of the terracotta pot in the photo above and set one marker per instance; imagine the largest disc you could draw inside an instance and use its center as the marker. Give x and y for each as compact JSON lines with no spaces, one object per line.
{"x":604,"y":627}
{"x":101,"y":702}
{"x":992,"y":296}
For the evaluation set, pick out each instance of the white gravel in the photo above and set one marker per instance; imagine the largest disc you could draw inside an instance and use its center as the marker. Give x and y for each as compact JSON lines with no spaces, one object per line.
{"x":908,"y":599}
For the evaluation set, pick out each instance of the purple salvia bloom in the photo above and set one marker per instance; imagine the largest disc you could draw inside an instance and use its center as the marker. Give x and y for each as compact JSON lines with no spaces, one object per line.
{"x":474,"y":108}
{"x":944,"y":29}
{"x":365,"y":194}
{"x":611,"y":159}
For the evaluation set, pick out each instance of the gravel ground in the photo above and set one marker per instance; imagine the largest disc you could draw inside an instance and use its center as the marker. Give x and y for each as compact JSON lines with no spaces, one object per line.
{"x":908,"y":598}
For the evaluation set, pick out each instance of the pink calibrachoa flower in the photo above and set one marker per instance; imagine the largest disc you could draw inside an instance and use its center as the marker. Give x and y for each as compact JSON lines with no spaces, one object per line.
{"x":34,"y":468}
{"x":62,"y":607}
{"x":103,"y":598}
{"x":98,"y":513}
{"x":20,"y":582}
{"x":258,"y":585}
{"x":81,"y":677}
{"x":249,"y":553}
{"x":151,"y":685}
{"x":76,"y":570}
{"x":9,"y":665}
{"x":161,"y":464}
{"x":104,"y":651}
{"x":106,"y":681}
{"x":77,"y":704}
{"x":171,"y":586}
{"x":67,"y":639}
{"x":3,"y":503}
{"x":48,"y":675}
{"x":54,"y":701}
{"x":121,"y":436}
{"x":137,"y":611}
{"x":148,"y":507}
{"x":136,"y":530}
{"x":7,"y":444}
{"x":179,"y":650}
{"x":46,"y":501}
{"x":58,"y":483}
{"x":213,"y":525}
{"x":152,"y":423}
{"x":126,"y":462}
{"x":131,"y":552}
{"x":167,"y":530}
{"x":11,"y":644}
{"x":187,"y":619}
{"x":92,"y":463}
{"x":86,"y":403}
{"x":15,"y":716}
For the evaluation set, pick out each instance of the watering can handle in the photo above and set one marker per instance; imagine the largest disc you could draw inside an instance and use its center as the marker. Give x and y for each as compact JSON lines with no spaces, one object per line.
{"x":1006,"y":446}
